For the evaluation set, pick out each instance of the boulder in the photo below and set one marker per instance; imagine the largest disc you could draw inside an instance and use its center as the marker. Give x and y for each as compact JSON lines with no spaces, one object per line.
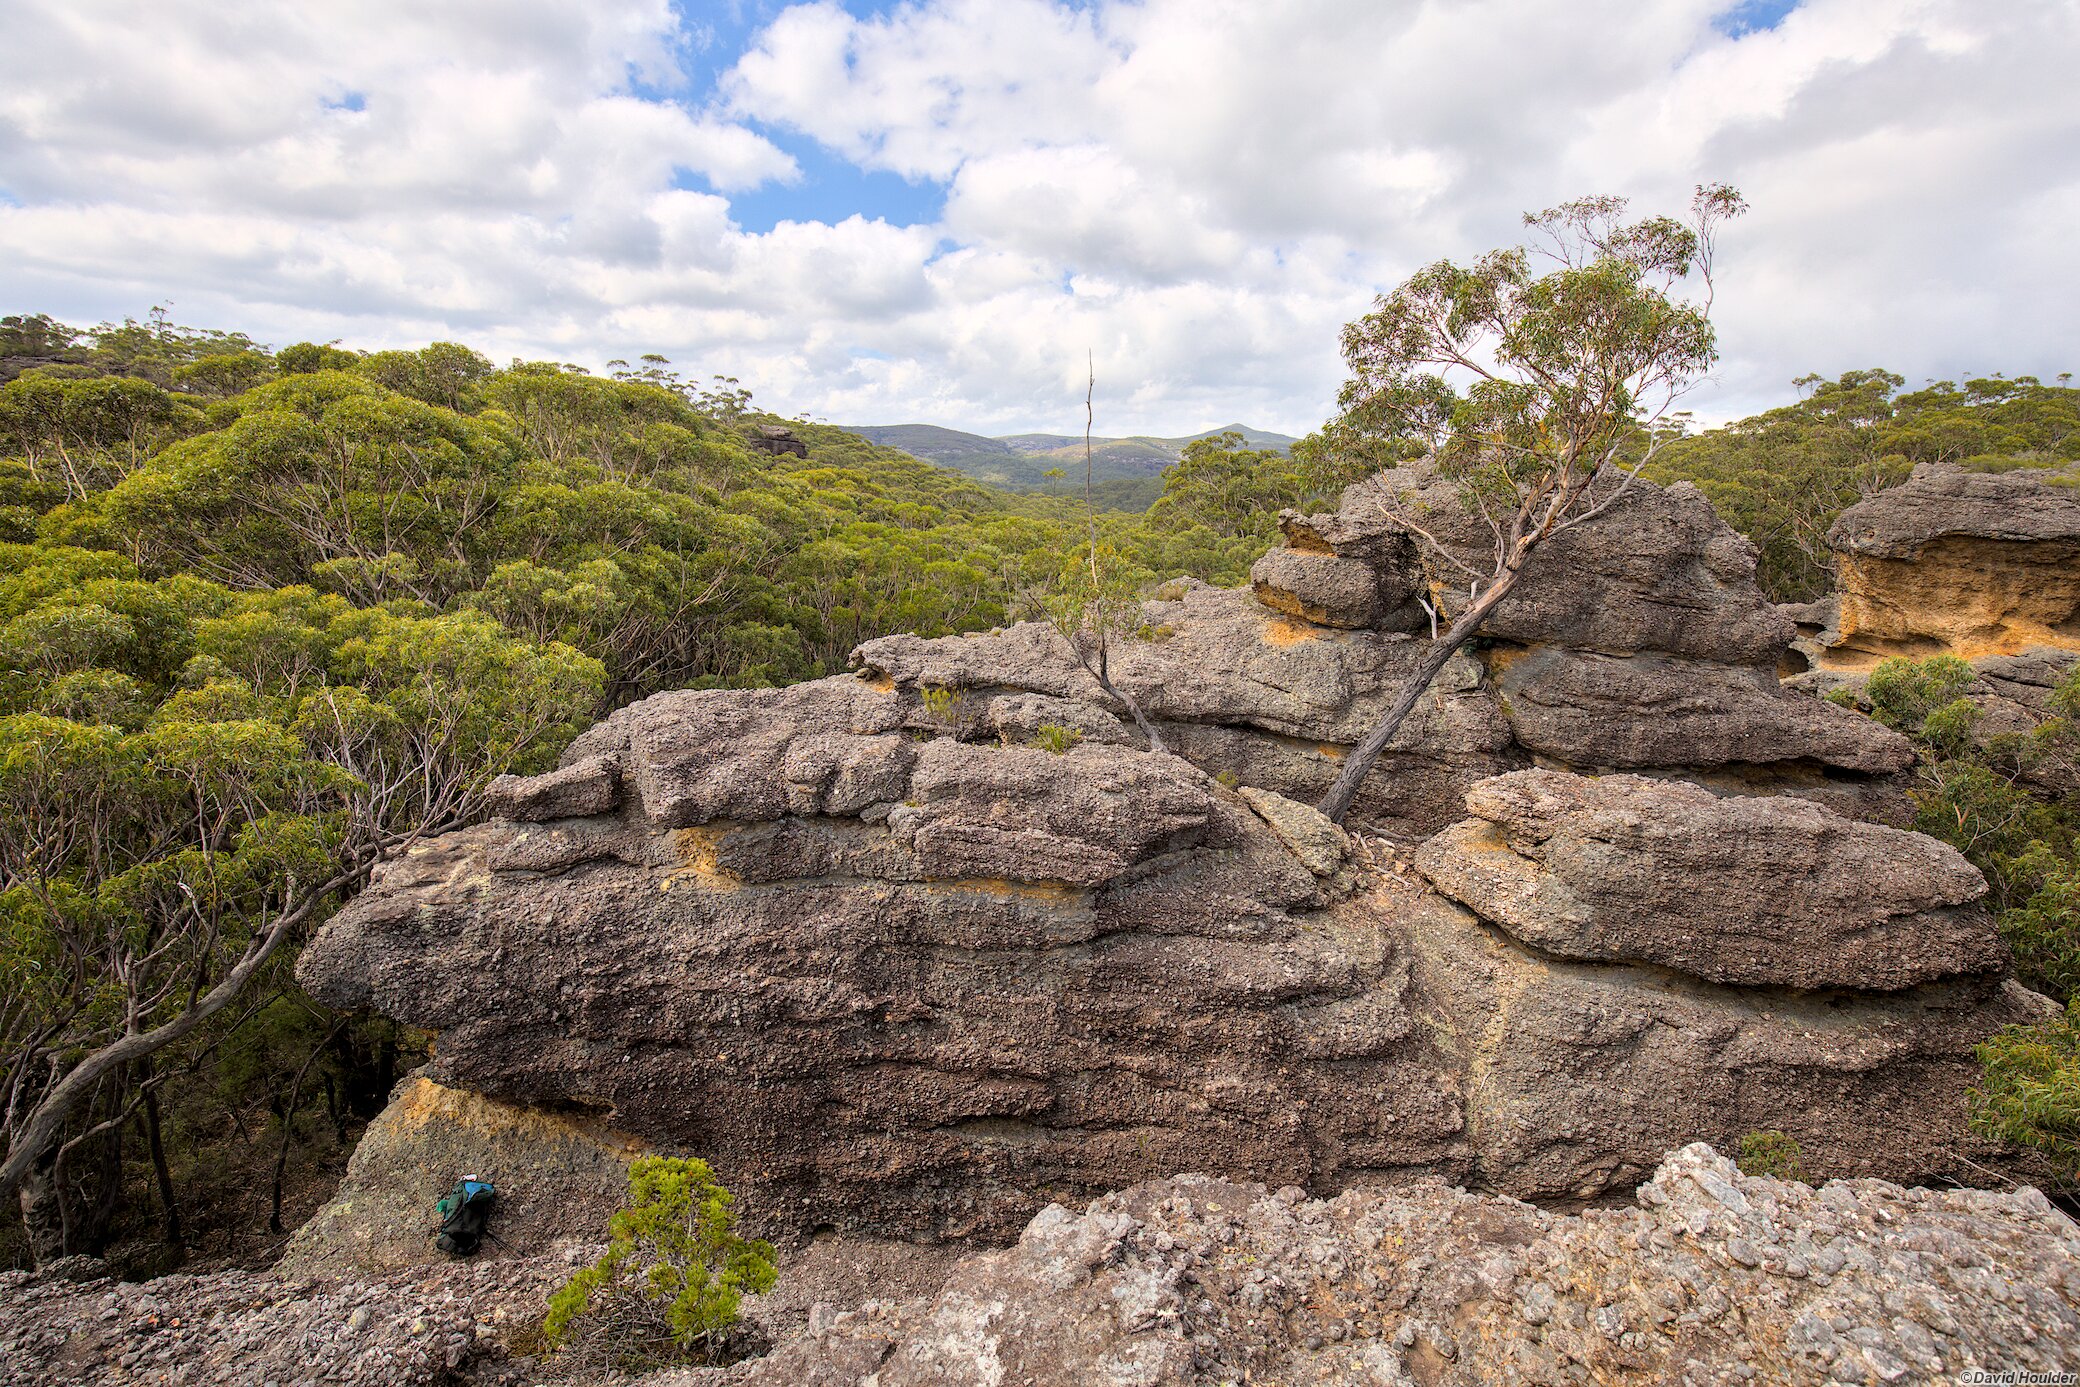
{"x":1710,"y":1277}
{"x":1970,"y":564}
{"x":1743,"y":890}
{"x":560,"y":1176}
{"x":1661,"y":711}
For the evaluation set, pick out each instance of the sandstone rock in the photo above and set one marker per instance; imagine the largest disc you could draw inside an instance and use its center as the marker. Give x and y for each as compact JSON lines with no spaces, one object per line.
{"x":1320,"y":588}
{"x":1274,"y":700}
{"x":1743,"y":890}
{"x":1006,"y":974}
{"x":1658,"y":571}
{"x":864,"y":1024}
{"x":1580,"y":1073}
{"x":1964,"y":563}
{"x":577,"y":790}
{"x":1319,"y":844}
{"x":1602,"y":711}
{"x":419,"y":1328}
{"x":1713,"y":1278}
{"x":896,"y":971}
{"x":559,"y":1176}
{"x":776,"y":440}
{"x":1638,"y":641}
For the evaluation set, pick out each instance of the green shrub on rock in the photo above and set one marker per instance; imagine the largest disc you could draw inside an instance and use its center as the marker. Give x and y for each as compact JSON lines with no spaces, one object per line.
{"x":1773,"y":1154}
{"x":672,"y":1280}
{"x":2030,"y":1093}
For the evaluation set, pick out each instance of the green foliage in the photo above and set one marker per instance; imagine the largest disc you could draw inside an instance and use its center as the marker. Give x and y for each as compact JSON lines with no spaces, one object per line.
{"x":940,"y":705}
{"x":1983,"y":795}
{"x":2029,"y":1094}
{"x":1052,"y":736}
{"x":1230,"y":490}
{"x":674,"y":1273}
{"x":1782,"y":477}
{"x":1772,"y":1154}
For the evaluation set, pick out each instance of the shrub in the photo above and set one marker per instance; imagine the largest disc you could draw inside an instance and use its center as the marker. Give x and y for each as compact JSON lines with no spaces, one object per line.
{"x":940,"y":704}
{"x":672,"y":1280}
{"x":2030,"y":1093}
{"x":1054,"y":737}
{"x":1773,"y":1154}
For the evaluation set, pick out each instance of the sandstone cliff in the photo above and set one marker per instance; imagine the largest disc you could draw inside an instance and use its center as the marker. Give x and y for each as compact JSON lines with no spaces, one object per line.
{"x":896,"y":971}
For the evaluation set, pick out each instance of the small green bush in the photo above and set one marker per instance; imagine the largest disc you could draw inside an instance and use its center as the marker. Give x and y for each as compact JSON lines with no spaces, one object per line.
{"x":1054,"y":737}
{"x":2030,"y":1093}
{"x":1773,"y":1154}
{"x":940,"y":705}
{"x":673,"y":1277}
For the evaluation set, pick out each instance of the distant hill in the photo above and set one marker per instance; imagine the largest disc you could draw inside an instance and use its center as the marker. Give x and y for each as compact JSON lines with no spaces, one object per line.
{"x":1021,"y":461}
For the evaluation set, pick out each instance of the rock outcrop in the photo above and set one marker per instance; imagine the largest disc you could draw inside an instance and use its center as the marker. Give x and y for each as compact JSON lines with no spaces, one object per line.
{"x":1972,"y":564}
{"x":895,"y":970}
{"x":894,"y":982}
{"x":1709,"y":1277}
{"x":1712,"y":1278}
{"x":1743,"y":890}
{"x":1636,"y":642}
{"x":422,"y":1328}
{"x":559,"y":1178}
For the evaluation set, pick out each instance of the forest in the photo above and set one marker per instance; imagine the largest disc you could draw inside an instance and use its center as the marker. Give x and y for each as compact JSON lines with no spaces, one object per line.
{"x":268,"y":616}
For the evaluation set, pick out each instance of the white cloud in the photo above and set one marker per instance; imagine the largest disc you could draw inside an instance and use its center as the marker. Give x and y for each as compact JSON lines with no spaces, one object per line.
{"x":1199,"y":191}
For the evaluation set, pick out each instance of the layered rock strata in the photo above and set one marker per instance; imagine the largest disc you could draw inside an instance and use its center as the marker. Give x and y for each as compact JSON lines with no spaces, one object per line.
{"x":895,"y":968}
{"x":1747,"y":891}
{"x":1972,"y":564}
{"x":891,"y":981}
{"x":1713,"y":1278}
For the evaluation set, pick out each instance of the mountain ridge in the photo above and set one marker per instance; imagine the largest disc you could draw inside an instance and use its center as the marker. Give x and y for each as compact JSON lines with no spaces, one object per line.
{"x":1021,"y":461}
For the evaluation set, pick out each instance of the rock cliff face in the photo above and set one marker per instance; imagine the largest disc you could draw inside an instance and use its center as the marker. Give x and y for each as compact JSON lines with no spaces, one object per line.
{"x":1960,"y":563}
{"x":1713,"y":1278}
{"x":893,"y":970}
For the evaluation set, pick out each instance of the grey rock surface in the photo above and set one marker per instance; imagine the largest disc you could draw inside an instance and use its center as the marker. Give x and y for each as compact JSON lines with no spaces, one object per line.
{"x":899,"y":983}
{"x":1658,"y":571}
{"x":419,"y":1328}
{"x":1652,"y":711}
{"x":1757,"y":891}
{"x":2018,"y":507}
{"x":1322,"y":588}
{"x":1714,"y":1277}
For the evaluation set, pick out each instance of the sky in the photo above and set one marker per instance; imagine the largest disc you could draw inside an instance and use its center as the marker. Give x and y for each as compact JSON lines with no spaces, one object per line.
{"x":932,"y":211}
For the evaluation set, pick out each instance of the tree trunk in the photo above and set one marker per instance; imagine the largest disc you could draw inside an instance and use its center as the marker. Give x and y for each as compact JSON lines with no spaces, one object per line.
{"x":42,"y":1203}
{"x":169,"y":1210}
{"x":1337,"y":802}
{"x":281,"y":1159}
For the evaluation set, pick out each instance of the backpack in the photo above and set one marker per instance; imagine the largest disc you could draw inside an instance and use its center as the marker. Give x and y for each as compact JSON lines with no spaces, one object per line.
{"x":463,"y":1212}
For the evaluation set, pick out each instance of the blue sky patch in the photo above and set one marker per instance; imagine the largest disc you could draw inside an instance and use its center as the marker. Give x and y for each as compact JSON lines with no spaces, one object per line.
{"x":352,"y":101}
{"x":830,"y":189}
{"x":1752,"y":17}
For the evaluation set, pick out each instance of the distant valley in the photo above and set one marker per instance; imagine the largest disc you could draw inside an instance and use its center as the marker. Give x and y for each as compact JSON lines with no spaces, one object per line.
{"x":1131,"y":468}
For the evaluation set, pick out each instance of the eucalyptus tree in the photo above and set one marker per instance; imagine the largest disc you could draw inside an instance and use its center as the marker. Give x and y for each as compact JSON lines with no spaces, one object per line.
{"x":1541,"y":378}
